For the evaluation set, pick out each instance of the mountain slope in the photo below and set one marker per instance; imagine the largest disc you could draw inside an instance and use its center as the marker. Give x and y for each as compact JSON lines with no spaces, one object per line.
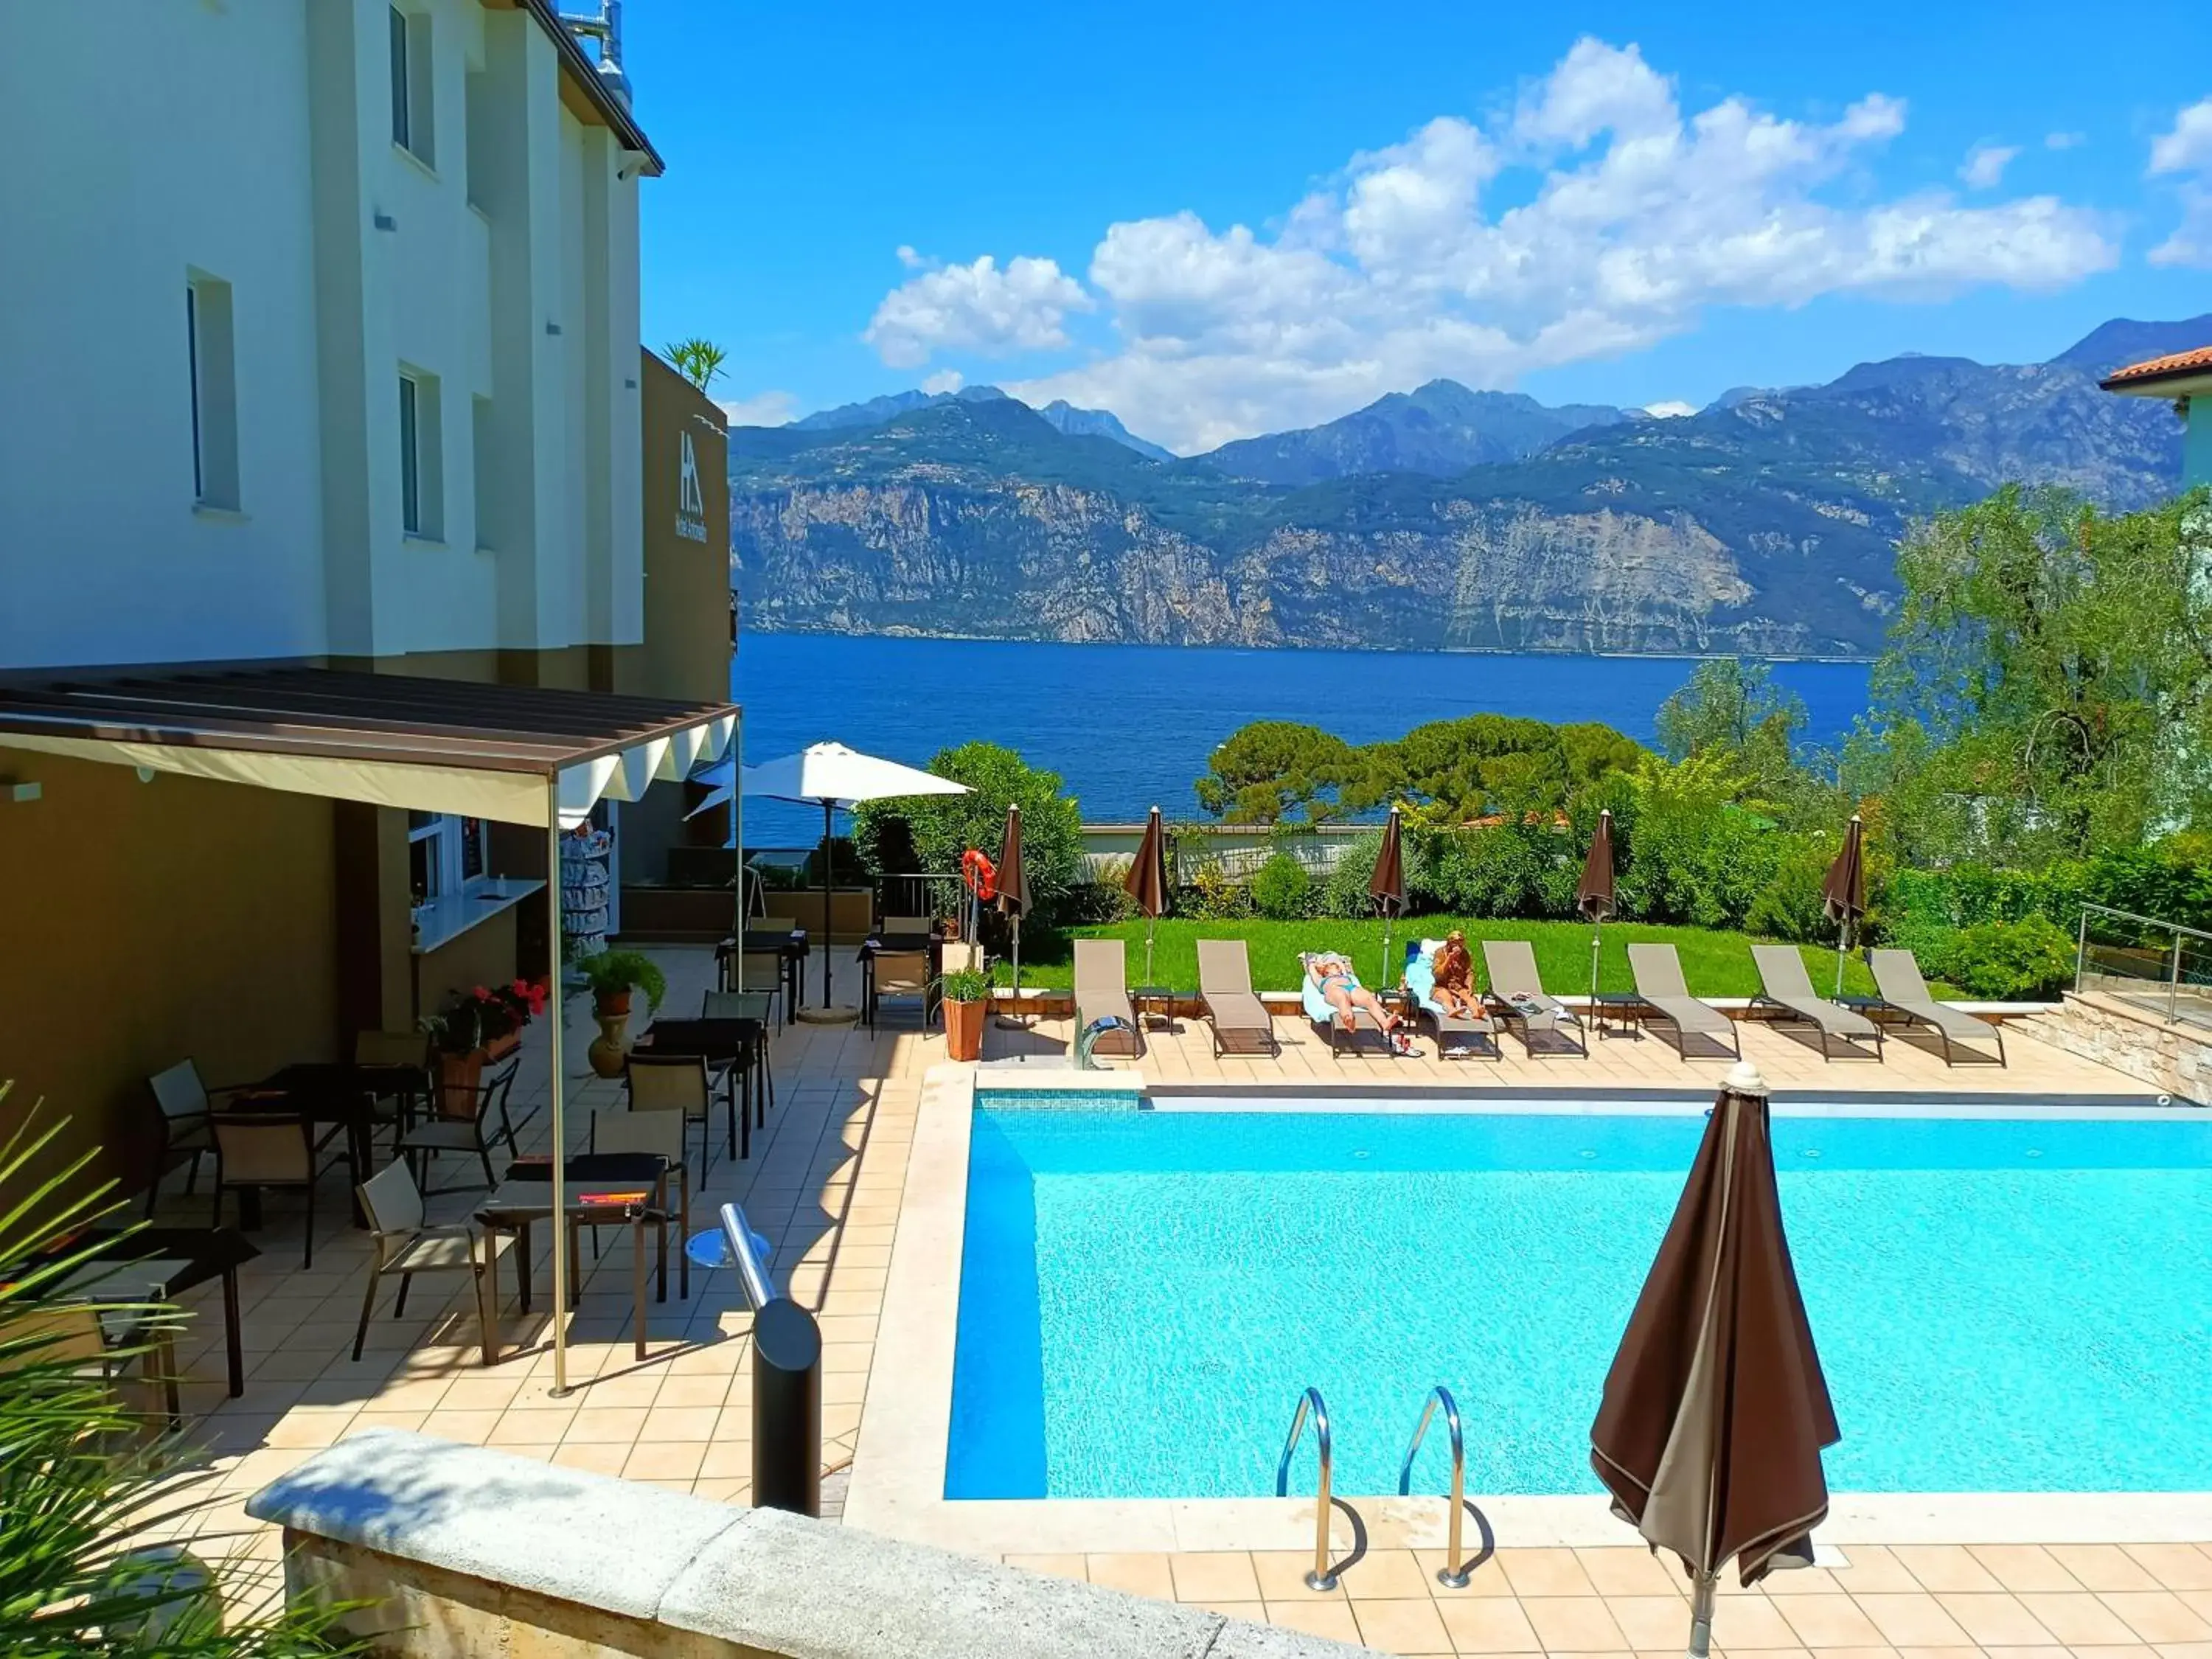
{"x":1058,"y":413}
{"x":1441,"y":428}
{"x":1767,"y":526}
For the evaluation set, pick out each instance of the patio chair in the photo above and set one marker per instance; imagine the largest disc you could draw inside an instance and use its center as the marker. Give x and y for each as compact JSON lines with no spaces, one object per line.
{"x":898,"y":973}
{"x":182,"y":1102}
{"x":1457,"y":1034}
{"x":404,"y":1244}
{"x":680,"y":1084}
{"x":904,"y":925}
{"x":762,"y":970}
{"x":463,"y":1121}
{"x":397,"y":1048}
{"x":276,"y":1150}
{"x":1786,"y":991}
{"x":746,"y":1005}
{"x":659,"y":1135}
{"x":1227,"y":999}
{"x":85,"y":1338}
{"x":1101,"y":991}
{"x":1658,"y":972}
{"x":1327,"y":1018}
{"x":1517,"y":994}
{"x":1906,"y":993}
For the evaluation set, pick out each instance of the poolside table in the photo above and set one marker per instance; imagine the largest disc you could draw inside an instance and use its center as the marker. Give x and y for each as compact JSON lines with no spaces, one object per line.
{"x":726,"y":1045}
{"x":791,"y":950}
{"x":880,"y":944}
{"x":603,"y":1189}
{"x":1161,"y":999}
{"x":343,"y":1093}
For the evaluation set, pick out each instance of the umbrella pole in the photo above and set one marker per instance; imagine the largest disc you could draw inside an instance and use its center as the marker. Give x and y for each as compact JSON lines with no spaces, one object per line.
{"x":1842,"y":944}
{"x":1701,"y":1614}
{"x":827,"y":806}
{"x":738,"y":840}
{"x":560,"y":1286}
{"x":1150,"y":922}
{"x":1597,"y":934}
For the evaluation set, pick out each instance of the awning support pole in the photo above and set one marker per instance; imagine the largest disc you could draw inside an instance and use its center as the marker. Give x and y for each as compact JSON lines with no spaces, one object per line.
{"x":737,"y":842}
{"x":561,"y":1288}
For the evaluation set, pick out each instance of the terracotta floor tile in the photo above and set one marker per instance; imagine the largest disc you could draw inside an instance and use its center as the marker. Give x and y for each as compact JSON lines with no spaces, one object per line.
{"x":2077,"y":1618}
{"x":1055,"y":1566}
{"x":1997,"y":1619}
{"x":472,"y":1428}
{"x":2103,"y":1567}
{"x":1318,"y":1617}
{"x":606,"y":1425}
{"x":679,"y":1422}
{"x":1214,"y":1574}
{"x":1488,"y":1624}
{"x":1574,"y":1624}
{"x":1405,"y":1626}
{"x":664,"y":1459}
{"x":1944,"y":1567}
{"x":2157,"y":1615}
{"x":1874,"y":1571}
{"x":1912,"y":1618}
{"x":2026,"y":1567}
{"x":1139,"y":1573}
{"x":1253,"y":1613}
{"x":600,"y":1458}
{"x":1385,"y":1575}
{"x":2176,"y":1566}
{"x":1485,"y":1578}
{"x":1650,"y":1621}
{"x":2184,"y":1649}
{"x":1545,"y":1572}
{"x":1751,"y":1622}
{"x":1282,"y":1576}
{"x":1855,"y":1653}
{"x":1629,"y":1573}
{"x":1827,"y":1621}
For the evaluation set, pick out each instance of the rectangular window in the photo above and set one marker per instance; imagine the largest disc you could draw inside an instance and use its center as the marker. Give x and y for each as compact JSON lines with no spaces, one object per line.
{"x":413,"y":127}
{"x":210,"y":354}
{"x":421,"y":450}
{"x":445,"y":854}
{"x":403,"y":125}
{"x":480,"y":454}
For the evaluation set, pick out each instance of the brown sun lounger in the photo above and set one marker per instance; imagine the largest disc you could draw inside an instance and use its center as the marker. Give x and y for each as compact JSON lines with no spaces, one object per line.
{"x":1225,"y":997}
{"x":1785,"y":985}
{"x":1906,"y":993}
{"x":1102,"y":991}
{"x":1517,"y":994}
{"x":1658,"y":971}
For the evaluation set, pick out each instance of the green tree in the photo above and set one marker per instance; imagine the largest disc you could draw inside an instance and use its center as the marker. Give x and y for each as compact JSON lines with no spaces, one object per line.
{"x":1277,"y":771}
{"x":699,"y":360}
{"x":941,"y":828}
{"x":2052,"y":665}
{"x":1732,"y":709}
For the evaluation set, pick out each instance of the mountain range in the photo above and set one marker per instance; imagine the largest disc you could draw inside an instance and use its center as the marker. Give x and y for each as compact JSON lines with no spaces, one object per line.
{"x":1441,"y":518}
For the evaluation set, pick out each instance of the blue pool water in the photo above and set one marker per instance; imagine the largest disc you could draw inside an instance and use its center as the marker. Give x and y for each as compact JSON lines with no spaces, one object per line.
{"x":2002,"y":1305}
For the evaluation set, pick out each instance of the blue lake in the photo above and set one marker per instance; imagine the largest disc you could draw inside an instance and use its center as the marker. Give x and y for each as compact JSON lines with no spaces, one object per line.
{"x":1129,"y":726}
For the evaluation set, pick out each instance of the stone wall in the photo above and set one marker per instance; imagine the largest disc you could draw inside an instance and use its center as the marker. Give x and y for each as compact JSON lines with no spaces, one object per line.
{"x":2174,"y":1057}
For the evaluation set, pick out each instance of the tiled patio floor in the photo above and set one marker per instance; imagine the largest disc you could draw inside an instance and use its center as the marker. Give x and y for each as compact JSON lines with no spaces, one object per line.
{"x":826,"y":1181}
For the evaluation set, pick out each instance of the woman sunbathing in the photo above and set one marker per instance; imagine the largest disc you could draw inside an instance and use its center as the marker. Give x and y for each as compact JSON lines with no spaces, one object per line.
{"x":1455,"y":977}
{"x":1340,"y":987}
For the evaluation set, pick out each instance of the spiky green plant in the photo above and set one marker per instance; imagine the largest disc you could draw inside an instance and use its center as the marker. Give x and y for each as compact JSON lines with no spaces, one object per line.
{"x":91,"y":1491}
{"x":698,"y":360}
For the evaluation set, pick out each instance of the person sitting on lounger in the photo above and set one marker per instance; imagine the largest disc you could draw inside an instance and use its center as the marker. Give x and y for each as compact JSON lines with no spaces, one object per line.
{"x":1340,"y":987}
{"x":1455,"y":976}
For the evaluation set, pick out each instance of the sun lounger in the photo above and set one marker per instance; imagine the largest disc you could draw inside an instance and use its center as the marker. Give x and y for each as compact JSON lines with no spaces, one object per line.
{"x":1784,"y":985}
{"x":1457,"y":1034}
{"x":1904,"y":994}
{"x":1227,"y":999}
{"x":1658,"y":972}
{"x":1102,"y":991}
{"x":1517,"y":994}
{"x":1328,"y":1017}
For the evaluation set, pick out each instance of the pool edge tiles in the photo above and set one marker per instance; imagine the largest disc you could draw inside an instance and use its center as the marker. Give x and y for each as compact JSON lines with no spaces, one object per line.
{"x":898,"y":1478}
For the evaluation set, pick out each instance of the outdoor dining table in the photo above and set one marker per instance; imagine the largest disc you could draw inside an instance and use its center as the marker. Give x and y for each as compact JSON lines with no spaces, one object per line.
{"x":791,"y":949}
{"x":722,"y":1043}
{"x":630,"y":1189}
{"x":341,"y":1092}
{"x":159,"y":1264}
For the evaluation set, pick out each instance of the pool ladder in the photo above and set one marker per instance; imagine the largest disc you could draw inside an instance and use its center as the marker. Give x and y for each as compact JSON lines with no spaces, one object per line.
{"x":1312,"y":1408}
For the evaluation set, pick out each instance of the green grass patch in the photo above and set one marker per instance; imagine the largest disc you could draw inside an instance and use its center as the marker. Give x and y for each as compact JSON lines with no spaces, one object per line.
{"x":1714,"y":965}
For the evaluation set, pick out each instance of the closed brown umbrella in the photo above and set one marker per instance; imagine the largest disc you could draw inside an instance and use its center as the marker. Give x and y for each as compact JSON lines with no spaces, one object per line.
{"x":1148,"y":881}
{"x":1014,"y":893}
{"x":1595,"y":897}
{"x":1842,"y":894}
{"x":1715,"y":1413}
{"x":1387,"y":886}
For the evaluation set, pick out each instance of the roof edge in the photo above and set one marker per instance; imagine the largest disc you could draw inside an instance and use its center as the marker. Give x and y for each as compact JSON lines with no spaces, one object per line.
{"x":2192,"y":365}
{"x":578,"y":63}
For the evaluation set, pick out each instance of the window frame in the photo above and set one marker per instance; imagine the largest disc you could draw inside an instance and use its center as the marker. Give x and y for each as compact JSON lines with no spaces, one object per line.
{"x":410,"y":453}
{"x":211,"y":388}
{"x":403,"y":80}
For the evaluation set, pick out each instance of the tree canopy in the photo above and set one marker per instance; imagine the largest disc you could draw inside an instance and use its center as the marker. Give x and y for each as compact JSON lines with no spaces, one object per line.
{"x":934,"y":831}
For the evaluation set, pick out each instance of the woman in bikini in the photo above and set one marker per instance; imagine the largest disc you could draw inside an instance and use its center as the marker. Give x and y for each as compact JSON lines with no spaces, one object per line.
{"x":1455,"y":976}
{"x":1341,"y":988}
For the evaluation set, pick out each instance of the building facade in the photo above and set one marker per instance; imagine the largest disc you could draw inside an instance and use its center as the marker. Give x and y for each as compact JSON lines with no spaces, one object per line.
{"x":2185,"y":379}
{"x":322,"y":327}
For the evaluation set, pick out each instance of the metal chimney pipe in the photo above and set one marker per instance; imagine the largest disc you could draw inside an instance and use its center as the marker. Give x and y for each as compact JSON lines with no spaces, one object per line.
{"x":606,"y":29}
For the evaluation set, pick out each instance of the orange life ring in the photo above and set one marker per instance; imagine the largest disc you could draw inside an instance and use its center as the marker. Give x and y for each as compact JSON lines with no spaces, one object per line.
{"x":977,"y":871}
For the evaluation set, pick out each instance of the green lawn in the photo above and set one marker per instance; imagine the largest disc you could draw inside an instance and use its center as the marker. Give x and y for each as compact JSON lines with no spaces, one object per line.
{"x":1713,"y":964}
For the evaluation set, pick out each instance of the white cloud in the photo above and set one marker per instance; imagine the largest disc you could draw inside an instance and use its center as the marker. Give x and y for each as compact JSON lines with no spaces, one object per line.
{"x":1985,"y":165}
{"x":946,"y":379}
{"x":1621,"y":219}
{"x":977,"y":307}
{"x":1672,"y":409}
{"x":761,"y":409}
{"x":2187,"y":151}
{"x":2065,"y":140}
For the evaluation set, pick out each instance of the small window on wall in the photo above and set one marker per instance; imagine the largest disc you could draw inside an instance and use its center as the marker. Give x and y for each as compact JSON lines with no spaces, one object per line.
{"x":411,"y":105}
{"x":211,"y":352}
{"x":445,"y":854}
{"x":421,"y":448}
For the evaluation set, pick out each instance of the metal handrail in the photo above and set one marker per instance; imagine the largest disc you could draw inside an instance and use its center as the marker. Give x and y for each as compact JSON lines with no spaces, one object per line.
{"x":752,"y":1270}
{"x":1454,"y":1572}
{"x":2172,"y":953}
{"x":2147,"y":921}
{"x":1321,"y":1577}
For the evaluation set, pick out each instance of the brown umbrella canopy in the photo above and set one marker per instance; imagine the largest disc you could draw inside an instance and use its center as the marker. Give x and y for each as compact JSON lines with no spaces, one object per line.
{"x":1387,"y":887}
{"x":1842,"y":894}
{"x":1148,"y":881}
{"x":1013,"y":878}
{"x":1715,"y":1413}
{"x":1595,"y":897}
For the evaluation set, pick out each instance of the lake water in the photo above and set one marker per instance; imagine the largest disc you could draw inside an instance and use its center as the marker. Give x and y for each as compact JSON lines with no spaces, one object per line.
{"x":1130,"y":726}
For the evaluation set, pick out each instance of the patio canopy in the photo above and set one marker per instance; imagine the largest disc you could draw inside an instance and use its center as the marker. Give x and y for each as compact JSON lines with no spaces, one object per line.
{"x":490,"y":751}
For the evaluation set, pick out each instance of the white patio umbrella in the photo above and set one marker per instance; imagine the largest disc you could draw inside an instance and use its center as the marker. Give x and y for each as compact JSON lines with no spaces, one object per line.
{"x":839,"y":779}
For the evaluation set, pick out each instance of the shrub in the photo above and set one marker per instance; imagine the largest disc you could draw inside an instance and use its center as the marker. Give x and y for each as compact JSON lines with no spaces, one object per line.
{"x":2008,"y":961}
{"x":943,"y":827}
{"x":1281,"y":889}
{"x":1506,"y":871}
{"x":1215,"y":895}
{"x":1789,"y":906}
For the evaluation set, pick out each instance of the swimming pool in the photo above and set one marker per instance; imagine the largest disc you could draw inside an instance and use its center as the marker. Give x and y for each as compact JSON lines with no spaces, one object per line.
{"x":2020,"y":1304}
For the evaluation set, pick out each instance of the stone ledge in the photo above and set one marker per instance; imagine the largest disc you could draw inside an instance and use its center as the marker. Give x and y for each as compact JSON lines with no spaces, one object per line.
{"x":479,"y":1547}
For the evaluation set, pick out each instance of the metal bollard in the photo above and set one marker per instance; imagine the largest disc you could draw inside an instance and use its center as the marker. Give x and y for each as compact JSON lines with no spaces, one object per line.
{"x":787,"y":1408}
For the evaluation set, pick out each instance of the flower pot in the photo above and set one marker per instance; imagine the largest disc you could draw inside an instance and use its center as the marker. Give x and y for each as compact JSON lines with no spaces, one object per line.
{"x":963,"y":1029}
{"x":608,"y":1004}
{"x":460,"y":1077}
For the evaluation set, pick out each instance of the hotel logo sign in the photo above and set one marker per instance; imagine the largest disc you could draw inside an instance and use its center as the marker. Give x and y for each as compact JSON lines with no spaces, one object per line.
{"x":691,"y":501}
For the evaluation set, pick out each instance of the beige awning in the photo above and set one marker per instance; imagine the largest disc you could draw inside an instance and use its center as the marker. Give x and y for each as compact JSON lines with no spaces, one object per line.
{"x":490,"y":751}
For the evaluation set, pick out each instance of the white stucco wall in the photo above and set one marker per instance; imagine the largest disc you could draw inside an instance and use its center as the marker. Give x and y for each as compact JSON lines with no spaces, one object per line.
{"x":253,"y":143}
{"x":2196,"y":445}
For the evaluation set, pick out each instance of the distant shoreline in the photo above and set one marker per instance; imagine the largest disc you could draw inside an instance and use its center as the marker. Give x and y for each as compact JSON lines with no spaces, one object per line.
{"x":743,"y":627}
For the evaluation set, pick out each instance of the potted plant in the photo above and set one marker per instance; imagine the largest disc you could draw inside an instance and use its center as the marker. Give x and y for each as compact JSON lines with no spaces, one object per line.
{"x":965,"y":991}
{"x":614,"y":977}
{"x":474,"y":1026}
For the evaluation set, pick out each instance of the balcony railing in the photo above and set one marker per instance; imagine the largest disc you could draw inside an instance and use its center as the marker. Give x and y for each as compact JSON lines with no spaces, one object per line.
{"x":2159,"y":967}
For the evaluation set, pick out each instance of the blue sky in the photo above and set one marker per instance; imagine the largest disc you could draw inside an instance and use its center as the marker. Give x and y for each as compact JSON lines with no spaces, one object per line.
{"x":1625,"y":204}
